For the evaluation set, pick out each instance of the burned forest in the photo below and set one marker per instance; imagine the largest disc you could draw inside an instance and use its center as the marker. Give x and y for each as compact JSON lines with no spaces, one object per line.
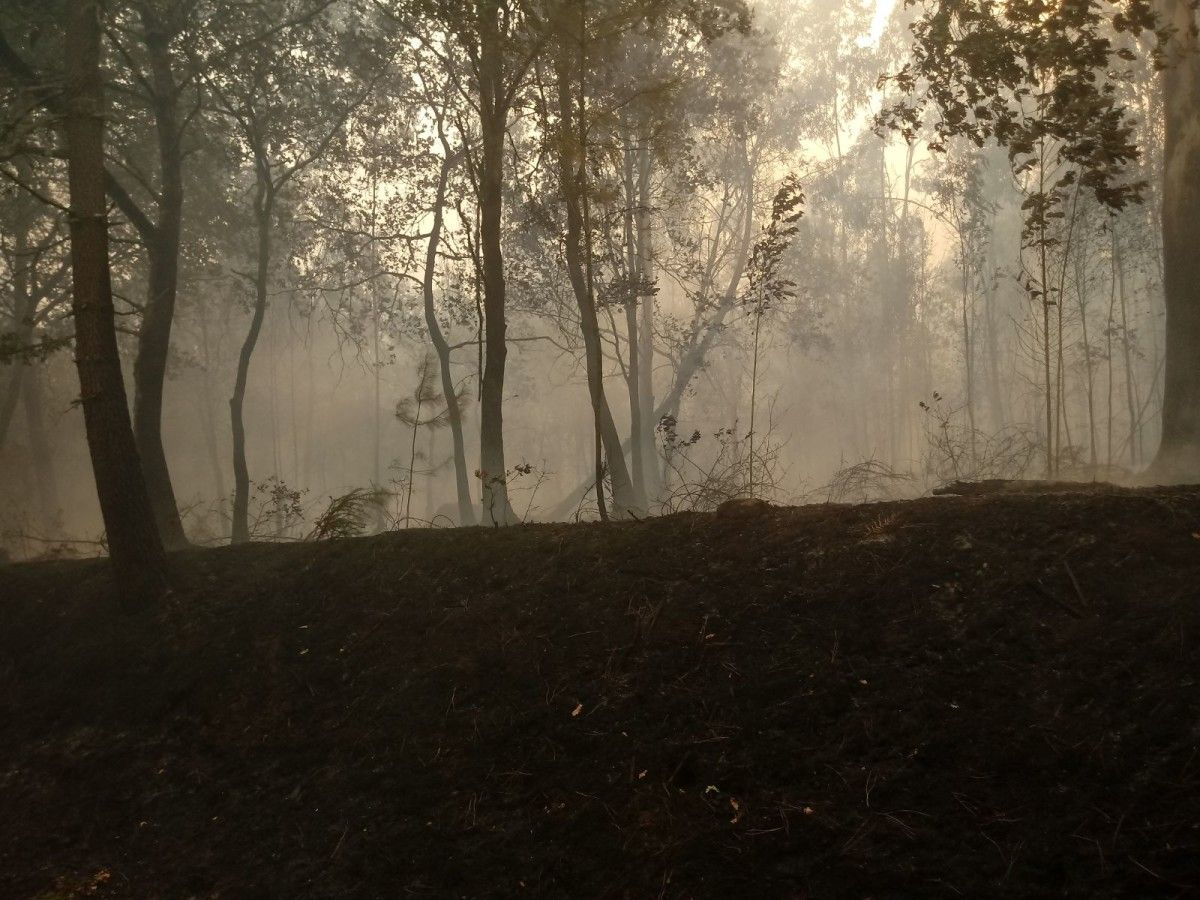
{"x":599,"y":448}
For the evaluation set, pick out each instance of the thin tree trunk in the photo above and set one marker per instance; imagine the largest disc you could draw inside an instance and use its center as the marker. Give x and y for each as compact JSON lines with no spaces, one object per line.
{"x":1081,"y":298}
{"x":968,"y":366}
{"x":134,"y":545}
{"x":633,"y":277}
{"x":645,"y":252}
{"x":1130,"y":401}
{"x":466,"y":510}
{"x":758,"y":317}
{"x":704,"y":336}
{"x":573,"y":183}
{"x":162,"y":250}
{"x":264,"y":202}
{"x":209,"y":417}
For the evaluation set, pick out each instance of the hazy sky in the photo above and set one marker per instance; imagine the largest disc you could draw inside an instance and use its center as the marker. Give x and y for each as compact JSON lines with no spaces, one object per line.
{"x":883,"y":9}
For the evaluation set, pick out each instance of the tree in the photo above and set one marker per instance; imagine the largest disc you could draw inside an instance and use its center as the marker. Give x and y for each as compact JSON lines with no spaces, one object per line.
{"x":282,"y":135}
{"x":492,"y":34}
{"x":1178,"y":456}
{"x":158,"y":26}
{"x":451,"y":397}
{"x":1043,"y":82}
{"x":151,"y":79}
{"x":133,"y":539}
{"x":571,"y":135}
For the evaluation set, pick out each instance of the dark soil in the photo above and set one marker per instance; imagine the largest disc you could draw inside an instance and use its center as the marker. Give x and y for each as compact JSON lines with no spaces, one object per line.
{"x":985,"y":696}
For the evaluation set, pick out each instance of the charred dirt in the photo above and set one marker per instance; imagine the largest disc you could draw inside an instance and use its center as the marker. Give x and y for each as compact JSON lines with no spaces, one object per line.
{"x":977,"y":696}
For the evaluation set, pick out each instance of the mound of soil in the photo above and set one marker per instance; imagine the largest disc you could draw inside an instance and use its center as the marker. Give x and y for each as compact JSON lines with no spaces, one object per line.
{"x":979,"y":696}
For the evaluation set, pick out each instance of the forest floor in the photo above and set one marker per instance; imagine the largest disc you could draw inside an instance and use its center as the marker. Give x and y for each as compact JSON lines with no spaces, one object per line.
{"x":987,"y":696}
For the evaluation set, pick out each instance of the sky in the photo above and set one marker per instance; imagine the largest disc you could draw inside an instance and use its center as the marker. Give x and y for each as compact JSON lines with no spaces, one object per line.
{"x":883,"y":9}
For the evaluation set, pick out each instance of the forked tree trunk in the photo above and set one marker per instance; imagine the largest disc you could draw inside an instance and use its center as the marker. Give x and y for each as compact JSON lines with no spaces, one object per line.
{"x":704,"y":334}
{"x":162,"y":250}
{"x":572,"y":158}
{"x":133,"y":540}
{"x":1178,"y":456}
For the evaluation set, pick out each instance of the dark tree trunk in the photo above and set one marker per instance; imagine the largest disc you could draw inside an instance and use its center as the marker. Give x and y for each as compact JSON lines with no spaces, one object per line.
{"x":572,"y":156}
{"x":493,"y":120}
{"x":466,"y":511}
{"x":264,"y":202}
{"x":208,"y":415}
{"x":162,"y":247}
{"x":133,"y":540}
{"x":704,"y":333}
{"x":1179,"y":453}
{"x":162,"y":250}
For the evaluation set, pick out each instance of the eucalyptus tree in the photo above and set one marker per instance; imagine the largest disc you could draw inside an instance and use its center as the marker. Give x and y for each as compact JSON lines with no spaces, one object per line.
{"x":288,"y":99}
{"x":574,"y":51}
{"x":158,"y":87}
{"x":452,"y":396}
{"x":957,"y":192}
{"x":486,"y":48}
{"x":134,"y":544}
{"x":985,"y":67}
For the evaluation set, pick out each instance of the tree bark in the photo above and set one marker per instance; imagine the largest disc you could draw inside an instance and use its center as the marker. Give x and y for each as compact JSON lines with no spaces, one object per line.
{"x":572,"y":171}
{"x":645,"y":252}
{"x":1178,"y":456}
{"x":493,"y":121}
{"x":134,"y":545}
{"x":466,"y":510}
{"x":264,"y":202}
{"x":704,"y":334}
{"x":162,"y":250}
{"x":633,"y":279}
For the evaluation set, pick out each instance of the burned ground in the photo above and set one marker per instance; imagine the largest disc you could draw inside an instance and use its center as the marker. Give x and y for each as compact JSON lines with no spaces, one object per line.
{"x":975,"y":696}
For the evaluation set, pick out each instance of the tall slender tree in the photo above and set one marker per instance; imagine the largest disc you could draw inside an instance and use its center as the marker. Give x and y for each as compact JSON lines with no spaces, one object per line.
{"x":133,"y":540}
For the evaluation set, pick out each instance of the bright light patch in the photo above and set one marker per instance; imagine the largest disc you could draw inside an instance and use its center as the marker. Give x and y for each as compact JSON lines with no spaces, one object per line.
{"x":883,"y":11}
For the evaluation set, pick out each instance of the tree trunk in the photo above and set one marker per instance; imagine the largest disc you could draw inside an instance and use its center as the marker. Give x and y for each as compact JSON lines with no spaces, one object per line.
{"x":645,"y":251}
{"x":704,"y":334}
{"x":264,"y":202}
{"x":134,"y":545}
{"x":1131,"y":404}
{"x":162,"y":250}
{"x":1090,"y":384}
{"x":633,"y":379}
{"x":493,"y":121}
{"x":572,"y":157}
{"x":209,"y":415}
{"x":466,"y":510}
{"x":1178,"y":456}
